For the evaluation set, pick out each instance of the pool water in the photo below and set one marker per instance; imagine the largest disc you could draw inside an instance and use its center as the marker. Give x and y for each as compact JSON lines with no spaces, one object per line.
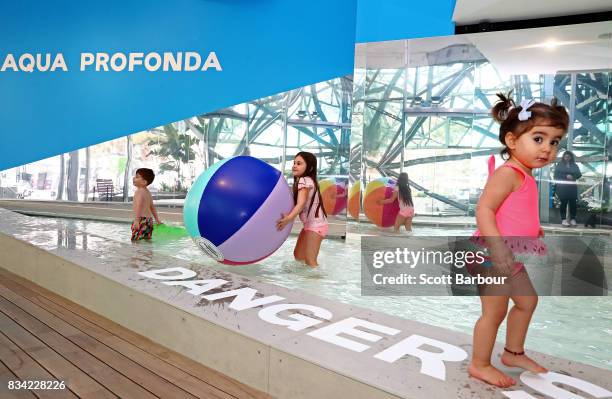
{"x":576,"y":328}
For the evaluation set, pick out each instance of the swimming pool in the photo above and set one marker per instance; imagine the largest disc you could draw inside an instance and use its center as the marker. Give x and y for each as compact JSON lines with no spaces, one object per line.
{"x":576,"y":328}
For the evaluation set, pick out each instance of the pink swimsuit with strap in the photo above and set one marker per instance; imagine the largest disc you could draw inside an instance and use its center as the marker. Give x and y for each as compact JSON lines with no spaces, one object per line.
{"x":405,"y":210}
{"x":518,"y":217}
{"x":312,"y":219}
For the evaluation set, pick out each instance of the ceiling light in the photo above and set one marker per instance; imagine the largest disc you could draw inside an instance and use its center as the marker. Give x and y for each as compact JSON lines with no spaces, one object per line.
{"x":551,"y":45}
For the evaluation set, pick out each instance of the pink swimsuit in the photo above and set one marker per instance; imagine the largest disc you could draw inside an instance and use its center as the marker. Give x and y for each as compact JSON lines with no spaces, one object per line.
{"x":308,"y":216}
{"x":405,"y":210}
{"x":518,"y":217}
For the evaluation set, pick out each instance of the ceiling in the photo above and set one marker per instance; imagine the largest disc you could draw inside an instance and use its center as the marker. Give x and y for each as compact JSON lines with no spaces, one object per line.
{"x":579,"y":47}
{"x":526,"y":51}
{"x":469,"y":12}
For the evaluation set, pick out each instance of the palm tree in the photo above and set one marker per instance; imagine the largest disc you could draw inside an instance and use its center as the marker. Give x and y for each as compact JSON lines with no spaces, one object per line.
{"x":176,"y":147}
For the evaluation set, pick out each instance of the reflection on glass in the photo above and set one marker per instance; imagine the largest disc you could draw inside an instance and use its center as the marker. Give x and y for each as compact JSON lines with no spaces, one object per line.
{"x":427,"y":103}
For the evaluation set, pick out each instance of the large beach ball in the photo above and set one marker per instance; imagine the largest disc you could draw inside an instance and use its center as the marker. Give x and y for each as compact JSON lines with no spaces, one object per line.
{"x":333,"y":192}
{"x":232,"y":209}
{"x":380,"y":215}
{"x":354,"y":200}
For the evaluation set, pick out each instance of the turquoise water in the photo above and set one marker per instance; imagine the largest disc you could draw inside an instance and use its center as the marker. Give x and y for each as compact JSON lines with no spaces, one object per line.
{"x":576,"y":328}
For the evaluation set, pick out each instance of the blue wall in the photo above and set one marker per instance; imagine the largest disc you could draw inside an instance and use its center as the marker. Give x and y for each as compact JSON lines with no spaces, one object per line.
{"x":403,"y":19}
{"x":264,"y":47}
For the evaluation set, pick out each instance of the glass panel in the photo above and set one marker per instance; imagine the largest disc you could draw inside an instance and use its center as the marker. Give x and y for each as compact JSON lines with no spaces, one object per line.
{"x":266,"y":129}
{"x":356,"y":174}
{"x":427,"y":112}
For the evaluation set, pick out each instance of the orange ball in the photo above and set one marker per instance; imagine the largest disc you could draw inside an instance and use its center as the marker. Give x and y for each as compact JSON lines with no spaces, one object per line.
{"x":382,"y":215}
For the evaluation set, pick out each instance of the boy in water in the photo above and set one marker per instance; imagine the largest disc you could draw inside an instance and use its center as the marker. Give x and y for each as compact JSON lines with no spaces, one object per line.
{"x":144,"y":210}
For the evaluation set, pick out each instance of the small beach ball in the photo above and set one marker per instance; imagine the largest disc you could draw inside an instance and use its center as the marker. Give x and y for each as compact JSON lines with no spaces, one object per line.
{"x":334,"y":193}
{"x":380,"y":215}
{"x":354,"y":200}
{"x":232,"y":208}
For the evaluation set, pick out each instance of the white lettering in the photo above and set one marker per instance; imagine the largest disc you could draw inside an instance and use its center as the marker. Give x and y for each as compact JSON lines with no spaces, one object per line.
{"x":9,"y":62}
{"x":86,"y":59}
{"x":432,"y":363}
{"x":158,"y":274}
{"x":122,"y":62}
{"x":544,"y":383}
{"x":43,"y":66}
{"x":198,"y":287}
{"x":102,"y":61}
{"x":244,"y":298}
{"x":152,"y":67}
{"x":190,"y":55}
{"x":347,"y":326}
{"x":29,"y":65}
{"x":59,"y":62}
{"x":517,"y":395}
{"x":298,"y":322}
{"x":169,"y":60}
{"x":212,"y":62}
{"x":134,"y":59}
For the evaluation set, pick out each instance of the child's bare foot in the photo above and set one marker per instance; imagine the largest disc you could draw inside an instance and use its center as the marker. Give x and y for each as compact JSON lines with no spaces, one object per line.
{"x":491,"y":375}
{"x":523,"y":361}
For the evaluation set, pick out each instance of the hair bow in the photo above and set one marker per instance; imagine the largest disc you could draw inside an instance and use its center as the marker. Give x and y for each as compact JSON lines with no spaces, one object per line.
{"x":524,"y":114}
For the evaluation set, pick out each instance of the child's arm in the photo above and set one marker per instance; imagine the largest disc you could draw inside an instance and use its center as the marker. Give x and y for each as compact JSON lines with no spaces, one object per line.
{"x":154,"y":212}
{"x":301,"y":202}
{"x":388,"y":200}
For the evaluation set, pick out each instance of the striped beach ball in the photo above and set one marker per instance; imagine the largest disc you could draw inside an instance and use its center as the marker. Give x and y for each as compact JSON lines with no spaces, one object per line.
{"x":354,"y":200}
{"x":232,"y":208}
{"x":380,"y":215}
{"x":333,"y":192}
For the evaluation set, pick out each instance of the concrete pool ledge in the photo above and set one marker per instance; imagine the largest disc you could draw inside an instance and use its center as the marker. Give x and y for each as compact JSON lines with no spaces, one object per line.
{"x":333,"y":350}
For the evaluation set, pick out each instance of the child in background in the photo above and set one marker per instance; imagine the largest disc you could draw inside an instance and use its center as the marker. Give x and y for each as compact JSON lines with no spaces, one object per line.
{"x":144,"y":210}
{"x":403,"y":194}
{"x":508,"y":223}
{"x":309,"y":205}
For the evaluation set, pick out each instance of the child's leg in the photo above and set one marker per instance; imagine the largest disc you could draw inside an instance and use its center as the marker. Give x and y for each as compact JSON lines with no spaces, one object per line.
{"x":299,"y":253}
{"x":399,"y":220}
{"x":408,"y":224}
{"x":140,"y":230}
{"x":518,"y":323}
{"x":494,"y":310}
{"x":149,"y":229}
{"x":312,"y":242}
